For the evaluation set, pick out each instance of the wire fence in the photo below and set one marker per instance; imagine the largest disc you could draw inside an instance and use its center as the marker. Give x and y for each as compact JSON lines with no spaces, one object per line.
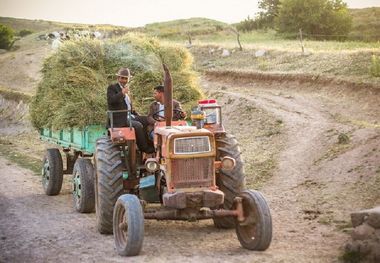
{"x":367,"y":37}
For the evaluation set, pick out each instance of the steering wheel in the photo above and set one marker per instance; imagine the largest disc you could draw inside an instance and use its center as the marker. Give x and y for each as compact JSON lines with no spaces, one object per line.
{"x":157,"y":117}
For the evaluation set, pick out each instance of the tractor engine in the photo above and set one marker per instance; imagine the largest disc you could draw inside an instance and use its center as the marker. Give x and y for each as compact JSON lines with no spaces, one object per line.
{"x":186,"y":157}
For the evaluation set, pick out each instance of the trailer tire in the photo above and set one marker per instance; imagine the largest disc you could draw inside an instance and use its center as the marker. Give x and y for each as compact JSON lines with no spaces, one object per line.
{"x":52,"y":172}
{"x":231,"y":183}
{"x":108,"y":182}
{"x":83,"y":186}
{"x":128,"y":225}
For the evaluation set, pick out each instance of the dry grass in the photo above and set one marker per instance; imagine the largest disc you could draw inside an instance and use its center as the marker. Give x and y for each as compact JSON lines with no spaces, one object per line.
{"x":17,"y":96}
{"x":345,"y":65}
{"x":259,"y":135}
{"x":72,"y":92}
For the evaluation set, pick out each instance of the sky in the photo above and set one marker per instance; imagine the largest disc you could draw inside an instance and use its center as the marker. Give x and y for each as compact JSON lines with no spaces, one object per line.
{"x":133,"y":13}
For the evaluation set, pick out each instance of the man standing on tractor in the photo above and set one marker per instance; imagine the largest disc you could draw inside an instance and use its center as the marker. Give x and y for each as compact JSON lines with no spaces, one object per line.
{"x":118,"y":99}
{"x":157,"y":109}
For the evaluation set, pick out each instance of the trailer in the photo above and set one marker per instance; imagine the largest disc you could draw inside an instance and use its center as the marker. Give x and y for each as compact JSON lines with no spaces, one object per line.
{"x":78,"y":146}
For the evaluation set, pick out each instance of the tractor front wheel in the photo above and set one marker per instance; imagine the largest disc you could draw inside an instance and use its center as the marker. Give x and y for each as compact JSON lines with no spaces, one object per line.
{"x":255,"y":232}
{"x":231,"y":183}
{"x":128,"y":225}
{"x":52,"y":172}
{"x":83,"y":186}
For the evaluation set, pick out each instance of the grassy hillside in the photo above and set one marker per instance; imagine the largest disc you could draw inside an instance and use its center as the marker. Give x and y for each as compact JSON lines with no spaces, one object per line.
{"x":18,"y":24}
{"x":366,"y":24}
{"x":181,"y":28}
{"x":43,"y":26}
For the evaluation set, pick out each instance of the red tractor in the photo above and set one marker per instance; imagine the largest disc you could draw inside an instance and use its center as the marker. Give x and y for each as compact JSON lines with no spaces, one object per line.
{"x":196,"y":173}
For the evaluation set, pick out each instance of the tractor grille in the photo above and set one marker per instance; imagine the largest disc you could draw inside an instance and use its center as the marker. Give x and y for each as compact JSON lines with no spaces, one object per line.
{"x":192,"y":172}
{"x":192,"y":145}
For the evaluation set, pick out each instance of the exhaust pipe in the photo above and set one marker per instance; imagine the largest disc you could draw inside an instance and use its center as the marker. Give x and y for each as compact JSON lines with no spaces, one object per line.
{"x":168,"y":96}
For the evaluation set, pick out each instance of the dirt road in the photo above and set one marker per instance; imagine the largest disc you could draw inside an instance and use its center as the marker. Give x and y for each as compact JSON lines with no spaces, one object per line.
{"x":314,"y":185}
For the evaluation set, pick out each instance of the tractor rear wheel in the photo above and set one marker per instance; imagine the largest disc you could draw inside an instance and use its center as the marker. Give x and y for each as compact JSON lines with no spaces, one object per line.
{"x":128,"y":225}
{"x":231,"y":183}
{"x":255,"y":232}
{"x":83,"y":186}
{"x":52,"y":172}
{"x":108,"y":182}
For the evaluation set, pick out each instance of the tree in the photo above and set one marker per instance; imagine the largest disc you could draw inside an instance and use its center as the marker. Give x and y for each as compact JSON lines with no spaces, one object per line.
{"x":6,"y":37}
{"x":247,"y":25}
{"x":266,"y":17}
{"x":318,"y":17}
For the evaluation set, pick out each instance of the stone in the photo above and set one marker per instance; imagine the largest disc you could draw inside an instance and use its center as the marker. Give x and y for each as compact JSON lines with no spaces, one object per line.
{"x":377,"y":235}
{"x":363,"y":232}
{"x":358,"y":218}
{"x":353,"y":246}
{"x":374,"y":217}
{"x":226,"y":53}
{"x":366,"y":247}
{"x":376,"y":254}
{"x":2,"y":51}
{"x":260,"y":53}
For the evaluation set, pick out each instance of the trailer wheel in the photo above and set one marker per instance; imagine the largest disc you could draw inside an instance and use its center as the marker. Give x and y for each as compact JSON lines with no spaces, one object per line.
{"x":83,"y":186}
{"x":52,"y":172}
{"x":128,"y":225}
{"x":108,"y":182}
{"x":255,"y":232}
{"x":231,"y":183}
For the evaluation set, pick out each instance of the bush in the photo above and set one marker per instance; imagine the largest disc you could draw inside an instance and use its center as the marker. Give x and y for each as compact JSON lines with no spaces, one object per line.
{"x":375,"y":66}
{"x":24,"y":32}
{"x":320,"y":18}
{"x":6,"y":37}
{"x":72,"y":92}
{"x":247,"y":25}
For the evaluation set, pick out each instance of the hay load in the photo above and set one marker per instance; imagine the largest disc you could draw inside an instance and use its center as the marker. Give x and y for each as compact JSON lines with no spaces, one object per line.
{"x":72,"y":92}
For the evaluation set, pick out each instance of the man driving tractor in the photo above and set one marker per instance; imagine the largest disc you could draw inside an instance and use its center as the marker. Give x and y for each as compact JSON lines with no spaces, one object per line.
{"x":157,"y":109}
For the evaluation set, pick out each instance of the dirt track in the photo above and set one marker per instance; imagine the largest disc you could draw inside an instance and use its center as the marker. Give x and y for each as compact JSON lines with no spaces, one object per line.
{"x":311,"y":193}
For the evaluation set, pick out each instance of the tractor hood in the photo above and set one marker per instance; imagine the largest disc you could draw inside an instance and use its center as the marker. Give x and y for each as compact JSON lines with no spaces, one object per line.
{"x":168,"y":131}
{"x":185,"y":142}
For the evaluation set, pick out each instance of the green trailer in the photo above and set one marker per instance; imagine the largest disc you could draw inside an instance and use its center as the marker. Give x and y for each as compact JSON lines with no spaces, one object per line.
{"x":76,"y":139}
{"x":78,"y":146}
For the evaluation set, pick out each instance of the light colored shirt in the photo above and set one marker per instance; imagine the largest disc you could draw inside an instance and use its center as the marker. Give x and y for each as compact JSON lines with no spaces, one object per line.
{"x":127,"y":99}
{"x":161,"y":108}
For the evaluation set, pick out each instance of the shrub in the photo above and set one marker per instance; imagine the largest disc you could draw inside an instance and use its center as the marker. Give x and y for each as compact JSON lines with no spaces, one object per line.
{"x":320,"y":18}
{"x":375,"y":66}
{"x":6,"y":37}
{"x":24,"y":32}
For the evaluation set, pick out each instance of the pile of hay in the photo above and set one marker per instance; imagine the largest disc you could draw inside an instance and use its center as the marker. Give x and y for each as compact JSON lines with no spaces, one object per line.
{"x":72,"y":92}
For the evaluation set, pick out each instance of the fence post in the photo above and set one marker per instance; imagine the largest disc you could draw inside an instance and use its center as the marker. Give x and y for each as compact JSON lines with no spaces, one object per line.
{"x":189,"y":38}
{"x":301,"y":39}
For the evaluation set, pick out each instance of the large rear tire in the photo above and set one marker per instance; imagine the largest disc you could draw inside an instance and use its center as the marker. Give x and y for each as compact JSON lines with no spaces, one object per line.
{"x":83,"y":186}
{"x":255,"y":232}
{"x":231,"y":183}
{"x":128,"y":225}
{"x":108,"y":182}
{"x":52,"y":172}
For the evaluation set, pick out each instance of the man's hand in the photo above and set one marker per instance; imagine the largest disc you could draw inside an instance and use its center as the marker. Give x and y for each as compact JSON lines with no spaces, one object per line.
{"x":125,"y":90}
{"x":183,"y":114}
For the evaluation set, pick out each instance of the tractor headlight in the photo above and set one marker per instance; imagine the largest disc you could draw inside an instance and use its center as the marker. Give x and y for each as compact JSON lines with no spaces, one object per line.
{"x":152,"y":165}
{"x":228,"y":163}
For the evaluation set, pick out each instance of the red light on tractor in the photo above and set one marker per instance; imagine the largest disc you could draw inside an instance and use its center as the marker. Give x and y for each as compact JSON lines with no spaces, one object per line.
{"x":208,"y":101}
